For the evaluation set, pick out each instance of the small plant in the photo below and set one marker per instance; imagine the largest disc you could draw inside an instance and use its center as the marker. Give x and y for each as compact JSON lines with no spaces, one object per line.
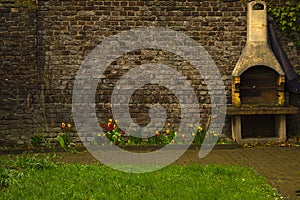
{"x":198,"y":134}
{"x":64,"y":137}
{"x":112,"y":133}
{"x":48,"y":144}
{"x":36,"y":140}
{"x":168,"y":137}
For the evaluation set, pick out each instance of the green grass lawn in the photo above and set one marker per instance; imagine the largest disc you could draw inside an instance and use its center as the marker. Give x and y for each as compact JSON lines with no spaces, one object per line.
{"x":41,"y":178}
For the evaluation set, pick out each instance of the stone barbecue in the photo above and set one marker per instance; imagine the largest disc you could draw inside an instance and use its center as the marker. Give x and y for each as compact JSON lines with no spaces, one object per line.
{"x":259,"y":100}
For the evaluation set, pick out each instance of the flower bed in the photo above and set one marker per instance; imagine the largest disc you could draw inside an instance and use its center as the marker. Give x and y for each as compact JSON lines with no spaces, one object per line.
{"x":114,"y":135}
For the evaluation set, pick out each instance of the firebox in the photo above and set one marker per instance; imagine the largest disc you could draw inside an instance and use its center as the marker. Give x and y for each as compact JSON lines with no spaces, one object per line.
{"x":261,"y":85}
{"x":259,"y":101}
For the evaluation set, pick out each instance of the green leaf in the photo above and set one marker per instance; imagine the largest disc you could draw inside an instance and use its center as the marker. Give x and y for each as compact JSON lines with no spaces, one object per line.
{"x":61,"y":141}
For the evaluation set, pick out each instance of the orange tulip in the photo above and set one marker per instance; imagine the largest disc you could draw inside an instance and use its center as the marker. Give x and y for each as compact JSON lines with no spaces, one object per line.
{"x":63,"y":125}
{"x":168,"y":132}
{"x":156,"y":133}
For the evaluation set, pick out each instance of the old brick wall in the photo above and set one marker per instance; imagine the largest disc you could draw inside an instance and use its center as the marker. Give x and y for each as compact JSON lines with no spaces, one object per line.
{"x":55,"y":38}
{"x":69,"y":30}
{"x":18,"y":72}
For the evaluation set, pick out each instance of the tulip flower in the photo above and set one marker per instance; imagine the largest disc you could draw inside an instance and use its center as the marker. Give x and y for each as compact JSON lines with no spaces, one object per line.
{"x":110,"y":126}
{"x":157,"y":133}
{"x":200,"y":128}
{"x":168,"y":132}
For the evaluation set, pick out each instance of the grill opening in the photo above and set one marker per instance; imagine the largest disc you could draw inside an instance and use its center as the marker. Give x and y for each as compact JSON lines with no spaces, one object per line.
{"x":259,"y":85}
{"x":258,"y":6}
{"x":258,"y":126}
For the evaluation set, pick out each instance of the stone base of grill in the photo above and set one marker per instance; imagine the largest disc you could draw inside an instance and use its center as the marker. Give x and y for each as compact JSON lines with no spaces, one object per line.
{"x":259,"y":123}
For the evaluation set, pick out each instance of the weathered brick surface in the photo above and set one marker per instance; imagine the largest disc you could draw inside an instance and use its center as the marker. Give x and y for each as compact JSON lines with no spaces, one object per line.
{"x":18,"y":73}
{"x":43,"y":48}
